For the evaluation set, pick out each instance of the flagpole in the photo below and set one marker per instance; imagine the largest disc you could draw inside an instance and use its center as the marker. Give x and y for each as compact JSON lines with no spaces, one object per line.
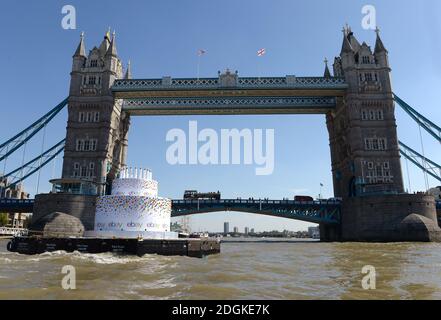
{"x":260,"y":54}
{"x":258,"y":69}
{"x":199,"y":62}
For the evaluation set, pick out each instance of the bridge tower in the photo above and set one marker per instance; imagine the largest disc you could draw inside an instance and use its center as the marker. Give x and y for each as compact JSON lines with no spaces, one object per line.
{"x":363,"y":136}
{"x":365,"y":154}
{"x":96,"y":139}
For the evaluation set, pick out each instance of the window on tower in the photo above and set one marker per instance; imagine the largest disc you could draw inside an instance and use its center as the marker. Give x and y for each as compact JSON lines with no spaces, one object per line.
{"x":93,"y":116}
{"x":372,"y":114}
{"x":375,"y":144}
{"x":94,"y":63}
{"x":93,"y":144}
{"x":86,"y":145}
{"x":76,"y":170}
{"x":378,"y":172}
{"x":92,"y":80}
{"x":91,"y":171}
{"x":80,"y":145}
{"x":364,"y":115}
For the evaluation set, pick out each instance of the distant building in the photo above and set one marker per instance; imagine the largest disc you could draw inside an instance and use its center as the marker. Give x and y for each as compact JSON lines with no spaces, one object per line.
{"x":15,"y":220}
{"x":247,"y":230}
{"x":226,"y":227}
{"x":314,"y":232}
{"x":252,"y":230}
{"x":236,"y":230}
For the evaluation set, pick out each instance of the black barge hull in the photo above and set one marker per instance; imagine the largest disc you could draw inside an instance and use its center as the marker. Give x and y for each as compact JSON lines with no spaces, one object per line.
{"x":197,"y":248}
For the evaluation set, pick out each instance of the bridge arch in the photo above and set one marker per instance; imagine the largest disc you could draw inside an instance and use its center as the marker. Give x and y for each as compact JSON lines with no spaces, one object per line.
{"x":321,"y":212}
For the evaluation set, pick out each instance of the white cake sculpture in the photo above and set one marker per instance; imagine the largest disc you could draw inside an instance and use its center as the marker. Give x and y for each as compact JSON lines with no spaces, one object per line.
{"x":133,"y":210}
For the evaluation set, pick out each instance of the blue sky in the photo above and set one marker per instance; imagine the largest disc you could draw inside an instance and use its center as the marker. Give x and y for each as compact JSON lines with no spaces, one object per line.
{"x":161,"y":39}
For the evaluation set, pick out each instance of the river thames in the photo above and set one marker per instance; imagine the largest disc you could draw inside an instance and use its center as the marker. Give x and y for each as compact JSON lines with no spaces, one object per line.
{"x":295,"y":270}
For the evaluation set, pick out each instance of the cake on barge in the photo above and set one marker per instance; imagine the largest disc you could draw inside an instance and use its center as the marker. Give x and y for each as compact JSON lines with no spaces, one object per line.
{"x":133,"y":210}
{"x":131,"y":220}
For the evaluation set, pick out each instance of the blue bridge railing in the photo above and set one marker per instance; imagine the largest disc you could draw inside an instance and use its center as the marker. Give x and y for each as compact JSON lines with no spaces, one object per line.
{"x":327,"y":212}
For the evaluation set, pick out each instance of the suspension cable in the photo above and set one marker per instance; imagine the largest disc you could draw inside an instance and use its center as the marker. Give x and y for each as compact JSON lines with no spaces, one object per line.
{"x":6,"y":160}
{"x":408,"y":175}
{"x":54,"y":166}
{"x":426,"y":179}
{"x":41,"y":158}
{"x":23,"y":160}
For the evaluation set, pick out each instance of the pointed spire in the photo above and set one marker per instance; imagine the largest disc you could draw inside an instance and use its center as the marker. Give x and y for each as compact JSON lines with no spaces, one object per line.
{"x":104,"y":46}
{"x":346,"y":29}
{"x":107,"y":36}
{"x":379,"y":46}
{"x":128,"y":72}
{"x":327,"y":73}
{"x":81,"y":50}
{"x":346,"y":46}
{"x":112,"y":48}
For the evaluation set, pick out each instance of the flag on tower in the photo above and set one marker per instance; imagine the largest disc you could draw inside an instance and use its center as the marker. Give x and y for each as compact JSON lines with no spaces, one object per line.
{"x":261,"y":52}
{"x":201,"y":52}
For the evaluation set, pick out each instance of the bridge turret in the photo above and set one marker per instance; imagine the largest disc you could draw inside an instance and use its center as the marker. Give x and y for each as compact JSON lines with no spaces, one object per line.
{"x":128,"y":74}
{"x":347,"y":54}
{"x":79,"y":57}
{"x":104,"y":46}
{"x":381,"y":53}
{"x":327,"y":73}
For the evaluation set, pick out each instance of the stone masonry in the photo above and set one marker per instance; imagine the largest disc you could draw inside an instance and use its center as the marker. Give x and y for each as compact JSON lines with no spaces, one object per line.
{"x":96,"y":139}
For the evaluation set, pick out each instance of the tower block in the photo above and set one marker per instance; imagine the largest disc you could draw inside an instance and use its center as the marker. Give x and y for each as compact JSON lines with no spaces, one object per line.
{"x":96,"y":140}
{"x":96,"y":137}
{"x":365,"y":154}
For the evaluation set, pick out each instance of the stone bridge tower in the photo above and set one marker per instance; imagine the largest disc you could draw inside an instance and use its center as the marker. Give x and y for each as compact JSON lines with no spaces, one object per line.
{"x":365,"y":155}
{"x":363,"y":136}
{"x":96,"y":140}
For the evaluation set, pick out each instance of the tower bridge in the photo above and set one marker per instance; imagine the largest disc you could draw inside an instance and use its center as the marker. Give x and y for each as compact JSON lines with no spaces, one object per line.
{"x":356,"y":100}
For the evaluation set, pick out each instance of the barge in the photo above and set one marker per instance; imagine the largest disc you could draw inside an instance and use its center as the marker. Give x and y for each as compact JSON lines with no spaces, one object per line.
{"x":195,"y":247}
{"x":132,"y":220}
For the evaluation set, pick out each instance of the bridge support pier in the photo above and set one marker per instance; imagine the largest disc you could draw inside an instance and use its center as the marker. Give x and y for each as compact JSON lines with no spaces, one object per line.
{"x":330,"y":232}
{"x":80,"y":206}
{"x":390,"y":218}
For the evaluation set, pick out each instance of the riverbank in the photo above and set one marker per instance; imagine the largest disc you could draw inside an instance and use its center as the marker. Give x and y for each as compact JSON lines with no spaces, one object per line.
{"x":267,"y":240}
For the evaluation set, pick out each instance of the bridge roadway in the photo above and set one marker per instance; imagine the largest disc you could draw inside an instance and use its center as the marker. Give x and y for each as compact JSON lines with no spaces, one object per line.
{"x":325,"y":211}
{"x":314,"y":211}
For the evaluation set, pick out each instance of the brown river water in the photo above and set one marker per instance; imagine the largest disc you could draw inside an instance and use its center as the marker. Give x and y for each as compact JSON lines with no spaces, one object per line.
{"x":296,"y":270}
